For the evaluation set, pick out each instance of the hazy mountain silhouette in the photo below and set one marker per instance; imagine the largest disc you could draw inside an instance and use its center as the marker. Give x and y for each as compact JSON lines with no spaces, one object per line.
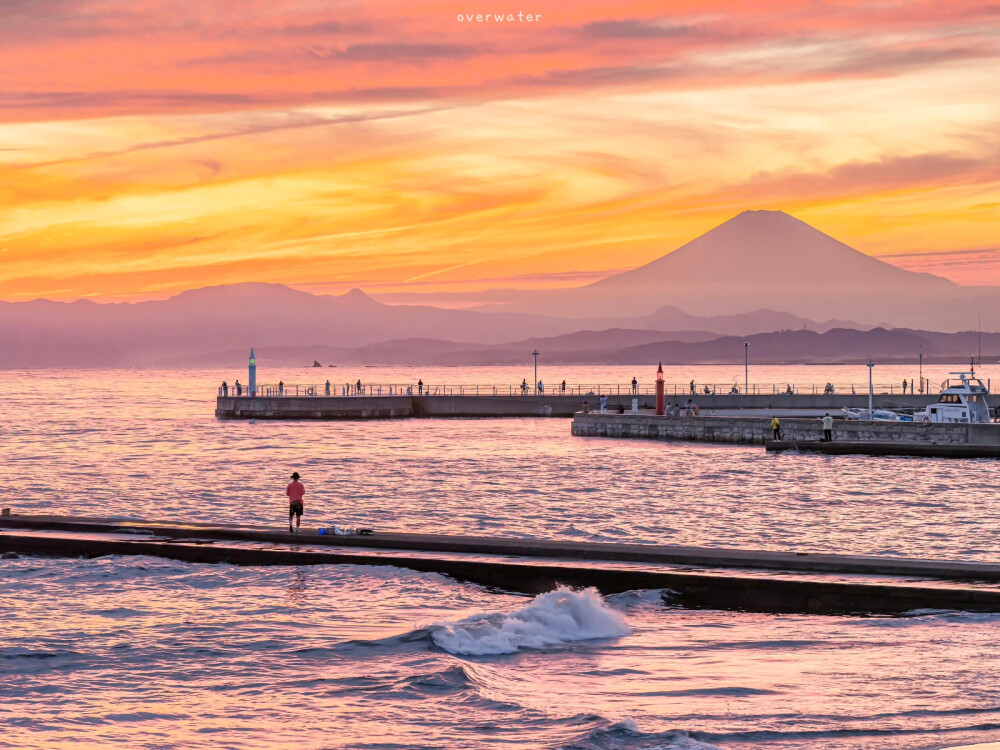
{"x":765,"y":262}
{"x":640,"y":348}
{"x":671,"y":318}
{"x":86,"y":334}
{"x":197,"y":325}
{"x":768,"y":259}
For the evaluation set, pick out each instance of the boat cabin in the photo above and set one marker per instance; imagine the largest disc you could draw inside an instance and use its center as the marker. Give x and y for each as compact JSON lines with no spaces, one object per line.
{"x":963,"y":403}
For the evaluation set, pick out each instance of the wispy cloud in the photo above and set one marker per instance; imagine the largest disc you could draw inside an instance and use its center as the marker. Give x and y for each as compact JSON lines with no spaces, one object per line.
{"x":169,"y":144}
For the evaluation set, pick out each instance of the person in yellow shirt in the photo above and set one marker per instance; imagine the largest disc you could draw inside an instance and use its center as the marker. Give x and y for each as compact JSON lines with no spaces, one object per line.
{"x":776,"y":428}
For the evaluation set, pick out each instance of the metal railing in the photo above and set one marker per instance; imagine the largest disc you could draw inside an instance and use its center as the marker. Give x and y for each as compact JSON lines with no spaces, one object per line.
{"x":272,"y":390}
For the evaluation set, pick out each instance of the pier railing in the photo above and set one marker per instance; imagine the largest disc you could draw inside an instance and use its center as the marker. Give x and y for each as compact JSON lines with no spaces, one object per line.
{"x":672,"y":390}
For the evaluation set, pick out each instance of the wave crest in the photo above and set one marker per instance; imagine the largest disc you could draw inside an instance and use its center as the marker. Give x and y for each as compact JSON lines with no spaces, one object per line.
{"x":553,"y":619}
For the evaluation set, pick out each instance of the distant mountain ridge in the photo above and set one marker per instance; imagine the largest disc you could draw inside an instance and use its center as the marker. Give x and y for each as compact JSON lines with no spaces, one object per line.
{"x":642,"y":348}
{"x":199,"y":323}
{"x":759,"y":272}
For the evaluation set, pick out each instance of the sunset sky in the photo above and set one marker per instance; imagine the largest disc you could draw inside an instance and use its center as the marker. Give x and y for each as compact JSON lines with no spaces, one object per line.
{"x":147,"y":147}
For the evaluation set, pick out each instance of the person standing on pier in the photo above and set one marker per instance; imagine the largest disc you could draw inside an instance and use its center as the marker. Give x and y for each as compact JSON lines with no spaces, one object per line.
{"x":225,"y":388}
{"x":828,"y":428}
{"x":281,"y":387}
{"x":541,"y":388}
{"x":692,"y":387}
{"x":420,"y":387}
{"x":327,"y":387}
{"x":295,"y":492}
{"x":904,"y":386}
{"x":775,"y":428}
{"x":635,"y":385}
{"x":239,"y":389}
{"x":562,"y":388}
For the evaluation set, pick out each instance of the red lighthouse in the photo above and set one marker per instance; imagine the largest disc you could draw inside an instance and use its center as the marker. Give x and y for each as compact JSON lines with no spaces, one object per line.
{"x":659,"y":390}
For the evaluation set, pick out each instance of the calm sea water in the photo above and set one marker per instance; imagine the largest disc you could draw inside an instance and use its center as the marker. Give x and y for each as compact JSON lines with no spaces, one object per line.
{"x":145,"y":653}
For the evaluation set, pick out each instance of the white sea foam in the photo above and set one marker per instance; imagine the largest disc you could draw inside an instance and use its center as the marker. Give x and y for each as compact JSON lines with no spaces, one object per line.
{"x":626,"y":735}
{"x":552,"y":619}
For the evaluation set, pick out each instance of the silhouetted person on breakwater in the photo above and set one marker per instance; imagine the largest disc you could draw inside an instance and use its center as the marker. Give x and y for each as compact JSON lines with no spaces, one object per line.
{"x":420,"y":387}
{"x":562,"y":388}
{"x":239,"y":389}
{"x":635,"y":386}
{"x":295,"y":492}
{"x":225,"y":388}
{"x":327,"y":387}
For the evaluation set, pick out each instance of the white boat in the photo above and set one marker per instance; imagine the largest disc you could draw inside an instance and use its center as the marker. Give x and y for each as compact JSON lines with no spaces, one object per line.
{"x":964,"y":403}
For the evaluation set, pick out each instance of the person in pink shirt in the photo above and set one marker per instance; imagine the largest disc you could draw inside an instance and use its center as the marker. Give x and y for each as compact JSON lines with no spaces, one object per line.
{"x":295,"y":492}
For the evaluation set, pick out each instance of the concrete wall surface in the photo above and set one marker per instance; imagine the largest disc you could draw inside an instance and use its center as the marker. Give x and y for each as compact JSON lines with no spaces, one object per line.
{"x":755,"y":430}
{"x":831,"y":403}
{"x":315,"y":407}
{"x":515,"y":406}
{"x":384,"y":407}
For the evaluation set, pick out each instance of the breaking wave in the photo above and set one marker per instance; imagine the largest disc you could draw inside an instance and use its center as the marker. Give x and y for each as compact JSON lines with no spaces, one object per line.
{"x":553,"y":619}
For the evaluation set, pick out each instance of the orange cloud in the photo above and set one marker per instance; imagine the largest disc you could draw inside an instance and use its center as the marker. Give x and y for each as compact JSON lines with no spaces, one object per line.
{"x":145,"y":150}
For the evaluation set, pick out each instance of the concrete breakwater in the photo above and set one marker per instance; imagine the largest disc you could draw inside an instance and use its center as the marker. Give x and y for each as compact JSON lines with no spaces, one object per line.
{"x":395,"y":407}
{"x":801,"y":560}
{"x":757,"y":430}
{"x":555,"y":405}
{"x":579,"y":564}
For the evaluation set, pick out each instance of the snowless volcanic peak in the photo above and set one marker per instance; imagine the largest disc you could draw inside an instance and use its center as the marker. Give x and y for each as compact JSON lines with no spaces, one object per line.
{"x":759,"y":248}
{"x":770,"y":260}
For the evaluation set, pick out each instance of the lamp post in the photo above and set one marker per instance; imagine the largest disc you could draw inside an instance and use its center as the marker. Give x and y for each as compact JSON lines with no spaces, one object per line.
{"x":871,"y":389}
{"x":535,"y":355}
{"x":746,"y":367}
{"x":921,"y":369}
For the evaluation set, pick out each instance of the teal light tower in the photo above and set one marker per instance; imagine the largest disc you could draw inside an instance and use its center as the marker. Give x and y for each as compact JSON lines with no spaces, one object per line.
{"x":252,"y":384}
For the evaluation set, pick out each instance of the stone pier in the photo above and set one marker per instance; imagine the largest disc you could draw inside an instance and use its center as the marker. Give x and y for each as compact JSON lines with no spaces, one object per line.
{"x":757,"y":430}
{"x":548,"y":405}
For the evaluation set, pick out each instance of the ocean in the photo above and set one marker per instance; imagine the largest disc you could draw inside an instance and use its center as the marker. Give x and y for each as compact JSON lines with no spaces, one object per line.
{"x":147,"y":653}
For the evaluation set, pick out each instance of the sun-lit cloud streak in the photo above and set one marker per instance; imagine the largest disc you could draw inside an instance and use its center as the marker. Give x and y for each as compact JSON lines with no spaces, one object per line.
{"x":145,"y":150}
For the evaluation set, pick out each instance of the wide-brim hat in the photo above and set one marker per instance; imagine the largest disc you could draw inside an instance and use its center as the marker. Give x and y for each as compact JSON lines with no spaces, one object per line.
{"x":295,"y":475}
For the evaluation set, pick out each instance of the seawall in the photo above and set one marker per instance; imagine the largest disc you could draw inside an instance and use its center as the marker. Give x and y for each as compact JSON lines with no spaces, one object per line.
{"x":580,"y":566}
{"x":314,"y":407}
{"x":757,"y":430}
{"x":394,"y":407}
